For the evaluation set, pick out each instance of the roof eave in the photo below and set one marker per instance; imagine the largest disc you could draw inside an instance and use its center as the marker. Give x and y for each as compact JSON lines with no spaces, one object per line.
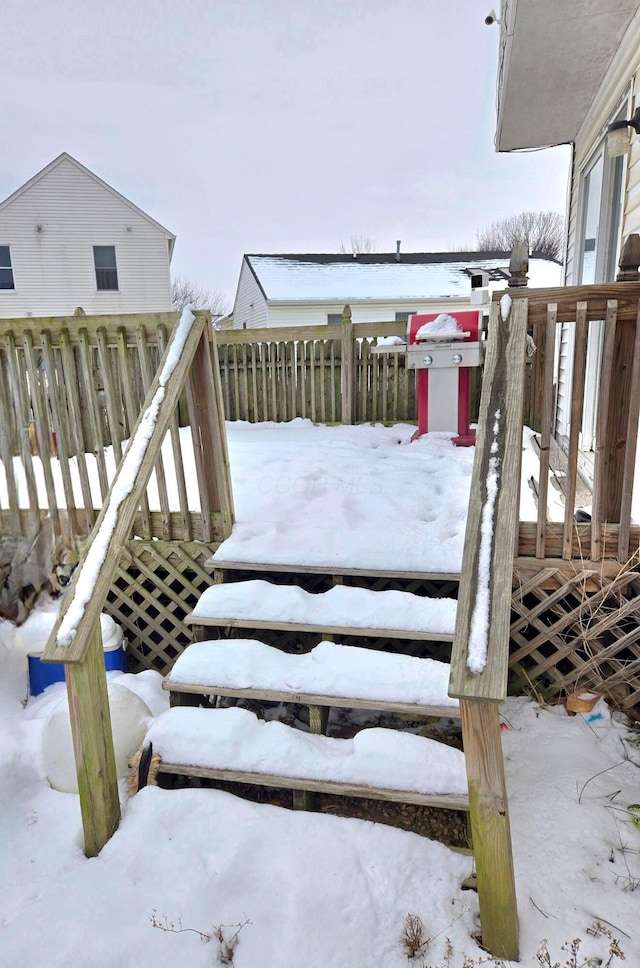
{"x":546,"y":48}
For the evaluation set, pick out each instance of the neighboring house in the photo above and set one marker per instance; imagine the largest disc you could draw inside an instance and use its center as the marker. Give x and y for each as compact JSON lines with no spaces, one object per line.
{"x":567,"y":71}
{"x":68,"y":239}
{"x":311,"y":290}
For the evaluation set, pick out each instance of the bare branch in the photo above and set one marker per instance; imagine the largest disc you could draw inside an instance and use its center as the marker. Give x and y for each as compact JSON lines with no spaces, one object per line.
{"x":359,"y":244}
{"x":542,"y":231}
{"x":185,"y":292}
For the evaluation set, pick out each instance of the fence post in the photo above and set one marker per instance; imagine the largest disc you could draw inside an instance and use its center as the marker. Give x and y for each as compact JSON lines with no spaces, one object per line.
{"x":347,"y":366}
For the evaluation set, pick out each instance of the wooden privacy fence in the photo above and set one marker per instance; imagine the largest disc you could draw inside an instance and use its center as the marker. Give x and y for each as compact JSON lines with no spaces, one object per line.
{"x":327,"y":374}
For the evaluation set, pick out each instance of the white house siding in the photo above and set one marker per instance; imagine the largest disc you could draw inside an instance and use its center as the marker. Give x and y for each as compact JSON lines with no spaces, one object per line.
{"x":51,"y":229}
{"x":631,"y":216}
{"x":250,"y":310}
{"x":369,"y":312}
{"x":623,"y":72}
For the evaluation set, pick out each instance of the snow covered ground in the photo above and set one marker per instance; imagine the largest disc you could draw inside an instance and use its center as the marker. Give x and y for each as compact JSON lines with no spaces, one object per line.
{"x":316,"y":890}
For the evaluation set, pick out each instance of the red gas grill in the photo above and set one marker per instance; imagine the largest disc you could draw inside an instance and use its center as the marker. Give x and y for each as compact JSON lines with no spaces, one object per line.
{"x":443,"y":359}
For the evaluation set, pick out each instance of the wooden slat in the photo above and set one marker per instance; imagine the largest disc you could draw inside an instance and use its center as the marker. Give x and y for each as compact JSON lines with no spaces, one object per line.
{"x":330,"y":570}
{"x":112,"y":399}
{"x":43,"y":430}
{"x":178,"y":462}
{"x":359,"y":630}
{"x":22,"y":420}
{"x":254,"y":385}
{"x":547,"y":350}
{"x":448,"y":801}
{"x":499,"y":438}
{"x":575,"y":427}
{"x":126,"y":379}
{"x":629,"y":465}
{"x":601,"y":469}
{"x":91,"y":403}
{"x":144,"y":359}
{"x":62,"y":440}
{"x":75,"y":413}
{"x":209,"y":438}
{"x":6,"y":454}
{"x":305,"y":698}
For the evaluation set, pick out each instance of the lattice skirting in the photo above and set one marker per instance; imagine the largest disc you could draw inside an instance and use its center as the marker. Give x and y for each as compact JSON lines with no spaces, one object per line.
{"x":568,"y":632}
{"x":156,"y":585}
{"x":578,"y":631}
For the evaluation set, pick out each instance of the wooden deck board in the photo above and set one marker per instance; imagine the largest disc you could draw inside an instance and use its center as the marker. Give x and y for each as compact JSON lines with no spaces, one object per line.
{"x":449,"y":801}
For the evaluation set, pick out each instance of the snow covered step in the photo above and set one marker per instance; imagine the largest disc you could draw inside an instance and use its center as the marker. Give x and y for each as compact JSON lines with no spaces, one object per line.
{"x":328,"y":675}
{"x":342,"y":610}
{"x":234,"y":745}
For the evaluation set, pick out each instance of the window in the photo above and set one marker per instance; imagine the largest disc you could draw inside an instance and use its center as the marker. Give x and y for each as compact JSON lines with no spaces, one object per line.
{"x":6,"y":269}
{"x":404,"y":317}
{"x":104,"y":258}
{"x":334,"y":319}
{"x":602,"y":193}
{"x":599,"y":241}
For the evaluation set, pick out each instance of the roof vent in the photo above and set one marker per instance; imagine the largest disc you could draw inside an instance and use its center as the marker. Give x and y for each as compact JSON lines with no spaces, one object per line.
{"x":398,"y":250}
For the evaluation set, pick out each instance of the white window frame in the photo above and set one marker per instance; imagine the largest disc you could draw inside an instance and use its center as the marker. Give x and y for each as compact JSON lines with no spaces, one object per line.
{"x":105,"y":245}
{"x":12,"y":288}
{"x":607,"y":250}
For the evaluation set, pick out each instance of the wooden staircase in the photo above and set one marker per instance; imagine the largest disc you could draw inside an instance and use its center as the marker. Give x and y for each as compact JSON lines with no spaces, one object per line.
{"x":378,"y":762}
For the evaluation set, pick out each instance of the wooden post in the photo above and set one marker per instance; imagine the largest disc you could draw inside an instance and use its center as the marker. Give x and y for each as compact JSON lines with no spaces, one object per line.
{"x":347,"y":366}
{"x":204,"y":398}
{"x":629,"y":259}
{"x":519,"y":266}
{"x":490,"y":830}
{"x":90,"y":718}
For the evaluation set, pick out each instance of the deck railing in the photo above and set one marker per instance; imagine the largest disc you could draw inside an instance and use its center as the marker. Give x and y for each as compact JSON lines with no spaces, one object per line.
{"x":610,"y":534}
{"x":71,"y":391}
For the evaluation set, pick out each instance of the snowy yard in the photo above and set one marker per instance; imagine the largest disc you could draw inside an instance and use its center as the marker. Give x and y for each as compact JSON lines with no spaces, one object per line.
{"x":309,"y":889}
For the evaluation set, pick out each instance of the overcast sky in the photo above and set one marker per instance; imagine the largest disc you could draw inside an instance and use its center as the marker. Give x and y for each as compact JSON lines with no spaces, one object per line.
{"x":272,"y":125}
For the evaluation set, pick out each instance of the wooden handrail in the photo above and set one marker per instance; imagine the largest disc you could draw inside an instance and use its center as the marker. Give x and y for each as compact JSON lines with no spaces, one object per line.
{"x":481,"y":641}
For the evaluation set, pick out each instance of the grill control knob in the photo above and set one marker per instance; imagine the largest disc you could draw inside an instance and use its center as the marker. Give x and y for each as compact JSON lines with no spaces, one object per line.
{"x":427,"y":360}
{"x":457,"y":358}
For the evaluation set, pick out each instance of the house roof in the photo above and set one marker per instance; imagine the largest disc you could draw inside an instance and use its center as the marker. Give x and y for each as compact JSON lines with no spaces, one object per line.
{"x":553,"y":59}
{"x":380,"y":276}
{"x":65,"y":157}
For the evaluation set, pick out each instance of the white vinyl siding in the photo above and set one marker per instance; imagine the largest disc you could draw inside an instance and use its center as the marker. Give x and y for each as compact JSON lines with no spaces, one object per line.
{"x":300,"y":314}
{"x":52,"y":227}
{"x":250,"y":308}
{"x":631,"y":213}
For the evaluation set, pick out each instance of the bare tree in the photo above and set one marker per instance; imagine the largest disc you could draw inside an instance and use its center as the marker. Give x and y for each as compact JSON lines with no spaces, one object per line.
{"x":185,"y":292}
{"x":359,"y":244}
{"x":542,"y":231}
